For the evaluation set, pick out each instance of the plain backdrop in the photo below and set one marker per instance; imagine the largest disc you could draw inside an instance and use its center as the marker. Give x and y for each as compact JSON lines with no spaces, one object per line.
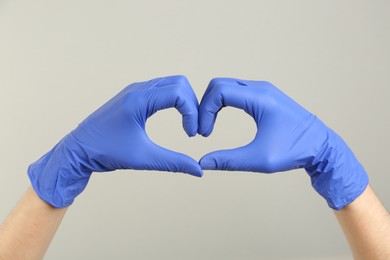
{"x":61,"y":60}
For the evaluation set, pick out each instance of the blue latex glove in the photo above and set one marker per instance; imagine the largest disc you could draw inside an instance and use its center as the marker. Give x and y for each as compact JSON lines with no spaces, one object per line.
{"x":288,"y":137}
{"x":114,"y":137}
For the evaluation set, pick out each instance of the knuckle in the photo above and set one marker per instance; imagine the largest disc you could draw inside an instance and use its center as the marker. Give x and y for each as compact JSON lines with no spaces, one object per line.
{"x":181,"y":79}
{"x":219,"y":87}
{"x":265,"y":82}
{"x":266,"y":85}
{"x":216,"y":81}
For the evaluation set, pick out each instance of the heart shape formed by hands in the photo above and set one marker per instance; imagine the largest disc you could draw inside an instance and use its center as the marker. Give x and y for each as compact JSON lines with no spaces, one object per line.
{"x":114,"y":137}
{"x":279,"y":145}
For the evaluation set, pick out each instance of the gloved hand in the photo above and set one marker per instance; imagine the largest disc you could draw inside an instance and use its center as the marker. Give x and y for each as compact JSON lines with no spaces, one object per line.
{"x":114,"y":137}
{"x":288,"y":137}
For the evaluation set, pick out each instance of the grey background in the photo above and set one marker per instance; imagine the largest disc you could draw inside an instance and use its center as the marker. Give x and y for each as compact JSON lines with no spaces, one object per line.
{"x":60,"y":60}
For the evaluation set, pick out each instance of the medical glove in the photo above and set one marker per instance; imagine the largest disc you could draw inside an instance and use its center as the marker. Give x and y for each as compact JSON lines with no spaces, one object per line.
{"x":114,"y":137}
{"x":288,"y":137}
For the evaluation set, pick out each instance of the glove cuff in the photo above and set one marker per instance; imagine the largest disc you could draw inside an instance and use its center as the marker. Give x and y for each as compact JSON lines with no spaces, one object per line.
{"x":336,"y":174}
{"x":60,"y":175}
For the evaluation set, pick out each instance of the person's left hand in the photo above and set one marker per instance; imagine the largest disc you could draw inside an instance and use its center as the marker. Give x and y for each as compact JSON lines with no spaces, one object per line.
{"x":288,"y":137}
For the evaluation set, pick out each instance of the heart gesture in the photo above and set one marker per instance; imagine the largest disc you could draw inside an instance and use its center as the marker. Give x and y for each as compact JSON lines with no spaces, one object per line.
{"x":114,"y":137}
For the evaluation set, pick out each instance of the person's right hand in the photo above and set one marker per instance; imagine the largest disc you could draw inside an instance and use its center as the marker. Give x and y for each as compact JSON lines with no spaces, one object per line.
{"x":114,"y":137}
{"x":288,"y":137}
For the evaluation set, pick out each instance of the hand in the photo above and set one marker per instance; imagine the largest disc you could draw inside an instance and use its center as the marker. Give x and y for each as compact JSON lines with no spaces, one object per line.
{"x":288,"y":137}
{"x":114,"y":137}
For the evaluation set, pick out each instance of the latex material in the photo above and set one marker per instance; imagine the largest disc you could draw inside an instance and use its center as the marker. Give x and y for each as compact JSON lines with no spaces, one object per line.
{"x":288,"y":137}
{"x":114,"y":137}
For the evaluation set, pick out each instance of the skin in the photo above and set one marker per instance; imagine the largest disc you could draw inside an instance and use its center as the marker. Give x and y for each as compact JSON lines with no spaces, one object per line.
{"x":366,"y":225}
{"x":29,"y":228}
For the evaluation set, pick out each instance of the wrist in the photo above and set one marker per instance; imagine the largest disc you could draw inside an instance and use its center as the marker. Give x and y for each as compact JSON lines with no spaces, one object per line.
{"x":335,"y":172}
{"x":61,"y":174}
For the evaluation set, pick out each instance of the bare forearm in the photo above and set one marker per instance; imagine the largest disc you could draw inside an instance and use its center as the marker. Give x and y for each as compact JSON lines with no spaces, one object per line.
{"x":366,"y":225}
{"x":29,"y":229}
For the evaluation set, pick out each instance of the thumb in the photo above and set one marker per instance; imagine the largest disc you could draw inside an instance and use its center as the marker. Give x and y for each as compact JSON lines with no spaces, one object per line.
{"x":237,"y":159}
{"x":162,"y":159}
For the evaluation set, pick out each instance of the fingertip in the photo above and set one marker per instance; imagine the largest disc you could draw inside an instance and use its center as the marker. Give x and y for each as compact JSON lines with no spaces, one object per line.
{"x":194,"y":170}
{"x":205,"y":132}
{"x":208,"y":111}
{"x":205,"y":127}
{"x":183,"y":163}
{"x":190,"y":126}
{"x":188,"y":107}
{"x":198,"y":173}
{"x":200,"y":132}
{"x":191,"y":133}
